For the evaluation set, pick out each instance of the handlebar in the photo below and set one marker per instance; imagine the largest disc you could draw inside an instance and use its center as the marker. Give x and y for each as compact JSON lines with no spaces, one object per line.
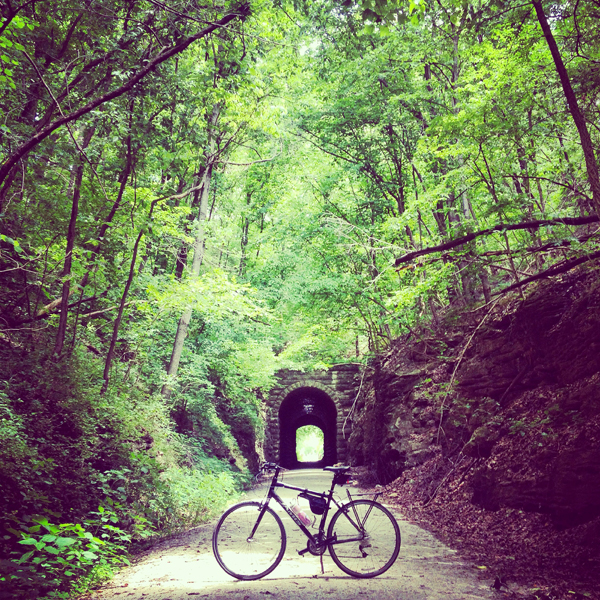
{"x":268,"y":466}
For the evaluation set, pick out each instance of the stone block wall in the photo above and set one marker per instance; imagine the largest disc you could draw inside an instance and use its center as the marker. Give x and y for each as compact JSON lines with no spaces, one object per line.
{"x":340,"y":383}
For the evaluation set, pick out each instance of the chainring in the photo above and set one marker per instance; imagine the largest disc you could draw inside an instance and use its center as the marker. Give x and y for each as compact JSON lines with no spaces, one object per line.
{"x":316,"y":550}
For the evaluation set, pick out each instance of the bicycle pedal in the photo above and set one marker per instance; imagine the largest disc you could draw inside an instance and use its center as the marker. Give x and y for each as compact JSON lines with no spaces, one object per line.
{"x":303,"y":552}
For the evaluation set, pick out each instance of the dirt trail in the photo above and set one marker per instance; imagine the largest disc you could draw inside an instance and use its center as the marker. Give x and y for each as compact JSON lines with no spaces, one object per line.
{"x":184,"y":567}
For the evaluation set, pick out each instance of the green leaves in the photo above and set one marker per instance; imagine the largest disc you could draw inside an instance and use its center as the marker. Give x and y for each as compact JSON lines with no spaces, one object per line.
{"x":14,"y":243}
{"x":9,"y":41}
{"x":57,"y":555}
{"x":214,"y":295}
{"x":29,"y":542}
{"x":49,"y":538}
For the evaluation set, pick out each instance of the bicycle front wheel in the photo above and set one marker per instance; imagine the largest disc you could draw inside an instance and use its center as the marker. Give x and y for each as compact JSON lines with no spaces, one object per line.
{"x":243,"y":556}
{"x":367,"y":538}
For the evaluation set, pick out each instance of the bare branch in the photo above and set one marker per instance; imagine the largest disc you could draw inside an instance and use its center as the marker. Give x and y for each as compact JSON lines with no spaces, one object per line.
{"x":255,"y":162}
{"x":77,"y":145}
{"x":561,"y":267}
{"x":502,"y":227}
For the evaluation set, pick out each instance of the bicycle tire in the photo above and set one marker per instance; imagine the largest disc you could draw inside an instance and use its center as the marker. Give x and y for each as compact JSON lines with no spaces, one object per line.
{"x":371,"y":552}
{"x":241,"y":557}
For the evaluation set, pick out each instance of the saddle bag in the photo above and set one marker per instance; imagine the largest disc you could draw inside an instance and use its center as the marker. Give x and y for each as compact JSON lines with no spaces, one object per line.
{"x":341,"y":478}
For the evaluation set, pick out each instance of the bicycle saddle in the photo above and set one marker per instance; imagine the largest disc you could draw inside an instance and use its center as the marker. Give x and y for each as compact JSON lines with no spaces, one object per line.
{"x":336,"y":469}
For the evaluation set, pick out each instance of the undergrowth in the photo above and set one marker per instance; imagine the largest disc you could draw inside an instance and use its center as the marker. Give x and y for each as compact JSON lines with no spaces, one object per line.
{"x":84,"y":476}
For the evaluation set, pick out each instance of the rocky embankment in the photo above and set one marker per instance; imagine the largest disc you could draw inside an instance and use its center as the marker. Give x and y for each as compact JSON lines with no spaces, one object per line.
{"x":491,"y":434}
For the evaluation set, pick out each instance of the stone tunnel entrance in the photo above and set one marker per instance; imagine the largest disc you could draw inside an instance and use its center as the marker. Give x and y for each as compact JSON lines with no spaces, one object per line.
{"x":320,"y":398}
{"x":307,"y":406}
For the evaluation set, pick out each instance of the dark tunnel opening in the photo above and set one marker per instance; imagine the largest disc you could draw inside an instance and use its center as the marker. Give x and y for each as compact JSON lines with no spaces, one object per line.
{"x":307,"y":406}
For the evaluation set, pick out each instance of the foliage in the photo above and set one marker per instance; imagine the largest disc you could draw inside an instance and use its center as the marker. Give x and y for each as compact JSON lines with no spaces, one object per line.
{"x":251,"y":195}
{"x":71,"y":450}
{"x":309,"y":443}
{"x":67,"y":551}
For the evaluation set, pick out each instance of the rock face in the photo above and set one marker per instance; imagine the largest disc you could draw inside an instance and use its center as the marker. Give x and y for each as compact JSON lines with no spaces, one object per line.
{"x":392,"y":432}
{"x":553,"y":337}
{"x":524,"y":404}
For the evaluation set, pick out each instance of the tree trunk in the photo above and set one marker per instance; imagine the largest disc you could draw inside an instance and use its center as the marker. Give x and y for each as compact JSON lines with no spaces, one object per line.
{"x":244,"y":245}
{"x":119,"y":317}
{"x":184,"y":321}
{"x":71,"y":232}
{"x":182,"y":253}
{"x":584,"y":135}
{"x":485,"y":285}
{"x":95,"y":246}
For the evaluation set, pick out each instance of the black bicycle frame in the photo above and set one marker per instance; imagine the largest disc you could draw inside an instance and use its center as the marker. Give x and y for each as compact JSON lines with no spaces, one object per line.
{"x":328,"y":496}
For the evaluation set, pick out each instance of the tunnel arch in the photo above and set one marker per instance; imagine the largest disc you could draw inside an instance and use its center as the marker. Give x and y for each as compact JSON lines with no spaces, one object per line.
{"x":340,"y":382}
{"x":307,"y":405}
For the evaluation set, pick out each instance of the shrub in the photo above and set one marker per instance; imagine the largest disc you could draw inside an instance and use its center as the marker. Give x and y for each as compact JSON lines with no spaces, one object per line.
{"x":60,"y":555}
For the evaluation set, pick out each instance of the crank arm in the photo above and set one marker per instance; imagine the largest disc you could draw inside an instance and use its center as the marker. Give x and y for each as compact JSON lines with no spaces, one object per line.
{"x":331,"y":540}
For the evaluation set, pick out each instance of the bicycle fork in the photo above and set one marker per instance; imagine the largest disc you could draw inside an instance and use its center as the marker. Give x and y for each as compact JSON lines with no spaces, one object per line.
{"x":263,"y":510}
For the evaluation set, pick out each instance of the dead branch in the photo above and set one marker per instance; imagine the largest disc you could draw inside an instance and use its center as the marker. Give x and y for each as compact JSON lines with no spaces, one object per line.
{"x":461,"y":356}
{"x":433,"y":495}
{"x":498,"y":228}
{"x":561,"y":267}
{"x":99,"y":312}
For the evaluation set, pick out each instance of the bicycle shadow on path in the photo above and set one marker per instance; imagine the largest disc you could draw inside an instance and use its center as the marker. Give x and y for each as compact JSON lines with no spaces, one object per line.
{"x":183,"y":567}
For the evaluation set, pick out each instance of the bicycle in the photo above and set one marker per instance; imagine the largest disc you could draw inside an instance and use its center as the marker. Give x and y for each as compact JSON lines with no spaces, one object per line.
{"x":363,"y":537}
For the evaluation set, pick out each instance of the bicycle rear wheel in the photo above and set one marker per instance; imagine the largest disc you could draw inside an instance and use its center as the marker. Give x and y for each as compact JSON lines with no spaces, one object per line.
{"x":367,"y":538}
{"x":241,"y":556}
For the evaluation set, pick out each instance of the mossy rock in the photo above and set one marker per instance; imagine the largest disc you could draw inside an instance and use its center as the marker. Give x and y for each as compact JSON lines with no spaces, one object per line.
{"x":481,"y":443}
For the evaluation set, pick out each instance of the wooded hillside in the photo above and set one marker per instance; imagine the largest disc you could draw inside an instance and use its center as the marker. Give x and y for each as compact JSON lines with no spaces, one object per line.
{"x":487,"y":431}
{"x":196,"y":195}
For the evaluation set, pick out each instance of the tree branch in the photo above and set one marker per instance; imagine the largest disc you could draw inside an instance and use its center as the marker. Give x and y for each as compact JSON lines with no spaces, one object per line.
{"x":562,"y":267}
{"x":502,"y":227}
{"x":241,"y":11}
{"x":249,"y":164}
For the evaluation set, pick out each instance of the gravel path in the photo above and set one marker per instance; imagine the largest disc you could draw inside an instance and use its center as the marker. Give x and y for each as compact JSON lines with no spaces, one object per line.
{"x":184,"y":567}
